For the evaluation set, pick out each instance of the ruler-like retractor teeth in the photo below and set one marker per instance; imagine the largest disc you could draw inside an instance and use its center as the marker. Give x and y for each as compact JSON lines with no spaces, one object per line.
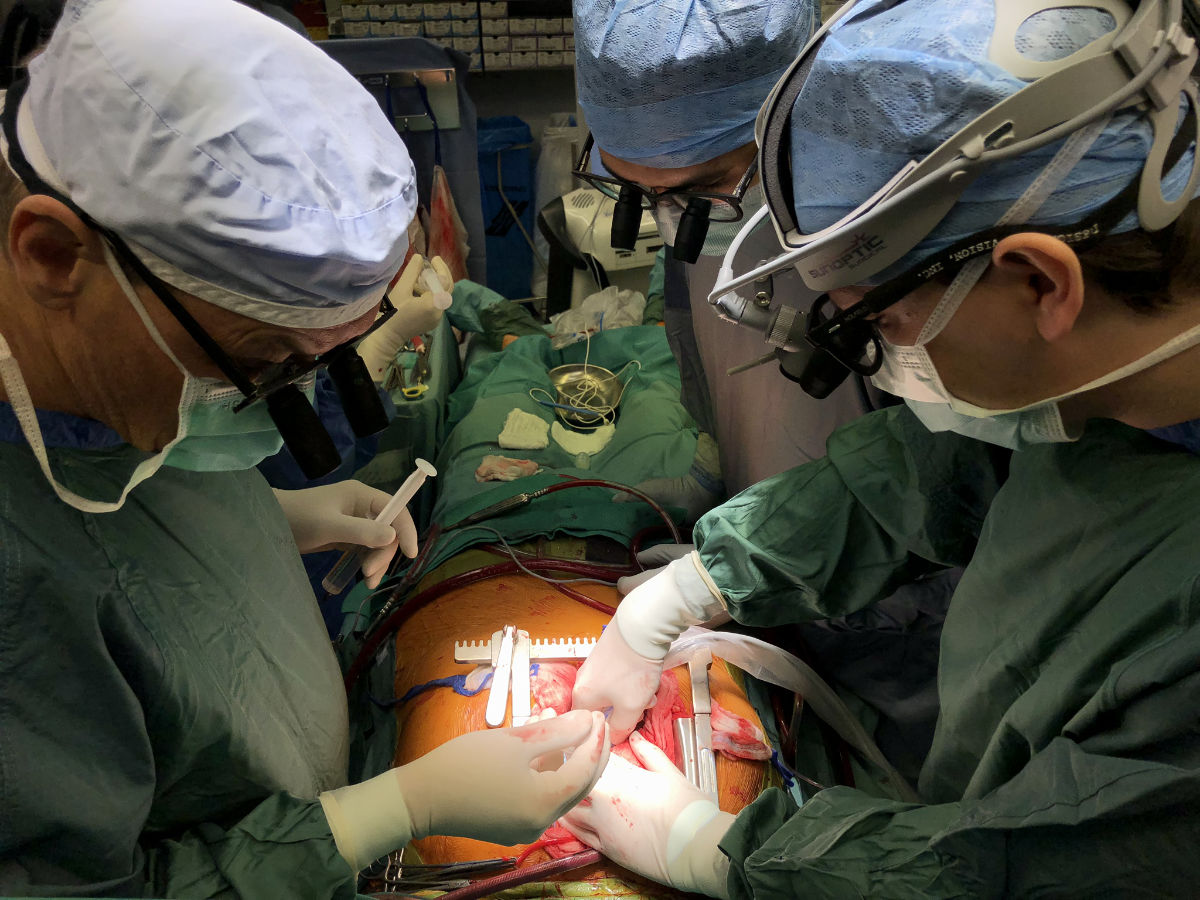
{"x":473,"y":652}
{"x":544,"y":649}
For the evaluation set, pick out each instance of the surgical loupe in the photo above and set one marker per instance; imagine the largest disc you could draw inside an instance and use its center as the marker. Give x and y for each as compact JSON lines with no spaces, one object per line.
{"x":1146,"y":61}
{"x":295,"y":418}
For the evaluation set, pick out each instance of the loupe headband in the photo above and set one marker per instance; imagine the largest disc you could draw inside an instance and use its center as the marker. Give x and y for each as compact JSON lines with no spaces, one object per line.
{"x":1148,"y":59}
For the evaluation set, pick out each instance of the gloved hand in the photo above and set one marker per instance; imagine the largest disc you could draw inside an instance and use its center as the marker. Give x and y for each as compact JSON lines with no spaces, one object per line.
{"x":623,"y":670}
{"x":653,"y":560}
{"x":491,"y":785}
{"x":418,"y":311}
{"x":342,"y":516}
{"x":678,"y":827}
{"x":696,"y":492}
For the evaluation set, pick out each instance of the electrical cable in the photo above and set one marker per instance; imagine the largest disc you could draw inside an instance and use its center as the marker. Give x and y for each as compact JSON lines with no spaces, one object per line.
{"x":517,"y":500}
{"x":624,"y":489}
{"x":527,"y":571}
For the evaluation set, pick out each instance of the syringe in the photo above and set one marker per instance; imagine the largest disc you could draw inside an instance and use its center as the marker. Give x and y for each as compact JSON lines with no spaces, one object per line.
{"x":441,"y":297}
{"x":349,"y":562}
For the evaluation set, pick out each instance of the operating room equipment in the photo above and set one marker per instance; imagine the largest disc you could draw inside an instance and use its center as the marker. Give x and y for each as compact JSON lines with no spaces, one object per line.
{"x":706,"y":762}
{"x":540,"y":649}
{"x":509,"y":652}
{"x":520,"y":679}
{"x":398,"y":876}
{"x":441,"y":297}
{"x":420,"y":373}
{"x":774,"y":665}
{"x":685,"y":740}
{"x":587,"y":395}
{"x":576,"y":227}
{"x":1147,"y":60}
{"x":348,"y":563}
{"x":497,"y":703}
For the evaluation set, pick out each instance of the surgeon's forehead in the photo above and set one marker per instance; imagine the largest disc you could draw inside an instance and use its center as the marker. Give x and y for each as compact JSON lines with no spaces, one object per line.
{"x":255,"y":337}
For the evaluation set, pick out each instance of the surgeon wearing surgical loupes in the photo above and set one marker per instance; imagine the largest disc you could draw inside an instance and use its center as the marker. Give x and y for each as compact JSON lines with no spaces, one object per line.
{"x":670,"y":90}
{"x":1039,"y":314}
{"x":202,"y":209}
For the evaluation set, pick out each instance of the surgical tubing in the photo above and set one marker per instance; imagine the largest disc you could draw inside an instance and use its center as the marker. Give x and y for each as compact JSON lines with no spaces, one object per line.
{"x":374,"y":640}
{"x":580,"y":597}
{"x":516,"y":500}
{"x":600,"y":571}
{"x":489,"y":886}
{"x":624,"y":489}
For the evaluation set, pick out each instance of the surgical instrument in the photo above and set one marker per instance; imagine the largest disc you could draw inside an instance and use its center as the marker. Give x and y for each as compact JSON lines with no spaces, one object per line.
{"x":420,"y":372}
{"x":520,"y":680}
{"x":498,"y":698}
{"x":488,"y":652}
{"x":706,"y":761}
{"x":685,"y":737}
{"x":348,"y":563}
{"x":511,"y":659}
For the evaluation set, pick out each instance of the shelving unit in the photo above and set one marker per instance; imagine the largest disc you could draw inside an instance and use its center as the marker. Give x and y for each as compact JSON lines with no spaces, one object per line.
{"x":497,"y":35}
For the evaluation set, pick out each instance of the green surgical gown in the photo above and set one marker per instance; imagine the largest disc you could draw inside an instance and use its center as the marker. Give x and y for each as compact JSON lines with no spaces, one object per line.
{"x":1066,"y":760}
{"x":170,"y":705}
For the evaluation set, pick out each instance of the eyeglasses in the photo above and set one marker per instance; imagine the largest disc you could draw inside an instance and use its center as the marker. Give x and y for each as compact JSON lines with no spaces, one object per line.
{"x":725,"y":207}
{"x":303,"y":433}
{"x":290,"y":410}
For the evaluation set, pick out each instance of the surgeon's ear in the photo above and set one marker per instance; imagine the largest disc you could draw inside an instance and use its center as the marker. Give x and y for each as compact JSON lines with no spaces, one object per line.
{"x":54,"y":254}
{"x":1052,"y":277}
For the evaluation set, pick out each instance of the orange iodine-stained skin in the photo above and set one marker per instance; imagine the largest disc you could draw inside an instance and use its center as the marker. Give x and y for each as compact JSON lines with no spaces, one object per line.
{"x":425,"y":652}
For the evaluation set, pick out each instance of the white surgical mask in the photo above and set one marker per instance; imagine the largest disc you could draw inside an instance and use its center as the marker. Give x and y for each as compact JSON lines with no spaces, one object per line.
{"x":909,"y":372}
{"x":210,"y":437}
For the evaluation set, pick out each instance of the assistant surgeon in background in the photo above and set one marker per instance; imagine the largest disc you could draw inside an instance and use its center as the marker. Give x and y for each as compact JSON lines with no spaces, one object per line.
{"x":1034,"y":296}
{"x":203,"y":196}
{"x":670,"y":89}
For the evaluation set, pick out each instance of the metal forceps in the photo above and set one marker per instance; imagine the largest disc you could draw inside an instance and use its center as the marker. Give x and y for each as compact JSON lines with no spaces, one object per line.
{"x":420,"y":372}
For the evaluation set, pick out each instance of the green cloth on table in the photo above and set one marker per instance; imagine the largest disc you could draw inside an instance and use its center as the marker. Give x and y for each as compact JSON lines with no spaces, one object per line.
{"x":654,"y":437}
{"x":1066,"y":760}
{"x":170,"y":706}
{"x":468,"y":300}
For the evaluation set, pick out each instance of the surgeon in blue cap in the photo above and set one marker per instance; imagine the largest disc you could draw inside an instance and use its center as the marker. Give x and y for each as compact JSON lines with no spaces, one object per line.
{"x":202,"y":209}
{"x":670,"y":90}
{"x":997,"y":202}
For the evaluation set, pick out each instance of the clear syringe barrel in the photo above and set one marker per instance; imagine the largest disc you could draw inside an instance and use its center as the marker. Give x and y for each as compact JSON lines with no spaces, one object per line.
{"x":348,"y":563}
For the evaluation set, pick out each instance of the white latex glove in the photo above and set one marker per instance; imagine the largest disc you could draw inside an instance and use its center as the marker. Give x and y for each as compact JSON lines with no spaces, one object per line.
{"x":653,"y":561}
{"x":655,"y":822}
{"x":341,"y":516}
{"x":490,"y":785}
{"x":623,"y":670}
{"x":418,"y":311}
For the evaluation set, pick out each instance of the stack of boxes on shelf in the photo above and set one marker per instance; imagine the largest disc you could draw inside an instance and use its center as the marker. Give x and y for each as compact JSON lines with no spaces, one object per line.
{"x":522,"y":42}
{"x":486,"y":31}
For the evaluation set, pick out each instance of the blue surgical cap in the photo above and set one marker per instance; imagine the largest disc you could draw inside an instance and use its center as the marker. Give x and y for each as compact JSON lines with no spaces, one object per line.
{"x":239,"y":161}
{"x":892,"y":81}
{"x":673,"y":83}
